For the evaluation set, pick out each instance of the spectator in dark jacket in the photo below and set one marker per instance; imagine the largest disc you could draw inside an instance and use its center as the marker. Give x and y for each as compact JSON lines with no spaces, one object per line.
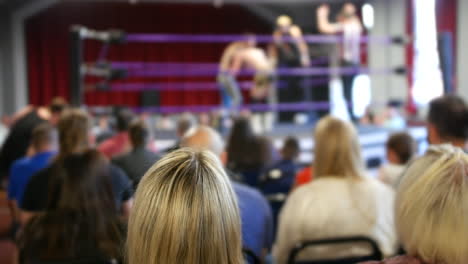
{"x":136,"y":162}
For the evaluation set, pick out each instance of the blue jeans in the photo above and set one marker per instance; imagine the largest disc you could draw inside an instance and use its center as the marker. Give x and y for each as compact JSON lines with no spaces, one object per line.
{"x":230,"y":91}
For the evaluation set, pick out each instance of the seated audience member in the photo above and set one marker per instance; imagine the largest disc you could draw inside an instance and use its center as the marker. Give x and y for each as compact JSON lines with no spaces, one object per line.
{"x":304,"y":176}
{"x":73,"y":130}
{"x":139,"y":159}
{"x":19,"y":138}
{"x":44,"y":145}
{"x":247,"y":153}
{"x":448,"y":121}
{"x":257,"y":225}
{"x":80,"y":222}
{"x":340,"y":202}
{"x":392,"y":117}
{"x":119,"y":143}
{"x":183,"y":125}
{"x":431,"y":208}
{"x":102,"y":130}
{"x":185,"y":212}
{"x":400,"y":149}
{"x":279,"y":178}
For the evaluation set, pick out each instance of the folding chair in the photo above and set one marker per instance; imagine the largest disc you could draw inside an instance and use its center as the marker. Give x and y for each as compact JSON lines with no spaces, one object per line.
{"x":376,"y":254}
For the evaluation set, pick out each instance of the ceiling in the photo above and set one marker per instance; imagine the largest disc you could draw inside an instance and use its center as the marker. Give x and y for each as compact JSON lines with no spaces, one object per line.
{"x":20,"y":2}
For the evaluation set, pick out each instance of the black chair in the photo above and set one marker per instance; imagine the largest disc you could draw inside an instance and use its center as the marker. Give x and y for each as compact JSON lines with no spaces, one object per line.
{"x":79,"y":261}
{"x":275,"y":184}
{"x":250,"y":256}
{"x":376,"y":254}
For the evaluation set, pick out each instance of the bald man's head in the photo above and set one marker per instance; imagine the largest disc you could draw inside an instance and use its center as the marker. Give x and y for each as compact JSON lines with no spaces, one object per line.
{"x":203,"y":137}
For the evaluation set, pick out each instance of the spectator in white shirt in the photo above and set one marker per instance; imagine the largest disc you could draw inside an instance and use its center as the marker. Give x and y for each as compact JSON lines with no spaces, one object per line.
{"x":340,"y":202}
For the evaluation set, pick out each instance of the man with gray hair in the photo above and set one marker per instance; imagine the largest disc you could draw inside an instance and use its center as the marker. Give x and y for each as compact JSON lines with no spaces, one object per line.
{"x":184,"y":123}
{"x":257,"y":222}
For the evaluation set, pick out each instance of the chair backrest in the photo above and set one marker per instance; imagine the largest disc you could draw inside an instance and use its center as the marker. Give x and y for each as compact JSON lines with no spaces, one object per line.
{"x":80,"y":261}
{"x":376,"y":254}
{"x":250,"y":256}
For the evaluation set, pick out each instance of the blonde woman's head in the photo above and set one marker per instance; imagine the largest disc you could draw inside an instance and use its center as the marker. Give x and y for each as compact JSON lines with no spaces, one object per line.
{"x":337,"y":150}
{"x":185,"y":212}
{"x":432,"y":206}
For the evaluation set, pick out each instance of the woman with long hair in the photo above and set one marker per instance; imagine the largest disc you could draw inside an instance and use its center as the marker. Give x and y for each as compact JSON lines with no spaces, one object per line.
{"x":248,"y":154}
{"x":81,"y":222}
{"x":340,"y":202}
{"x":185,"y":212}
{"x":73,"y":129}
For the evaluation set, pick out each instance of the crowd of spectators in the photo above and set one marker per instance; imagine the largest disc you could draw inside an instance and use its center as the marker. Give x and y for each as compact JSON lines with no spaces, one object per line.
{"x":80,"y":197}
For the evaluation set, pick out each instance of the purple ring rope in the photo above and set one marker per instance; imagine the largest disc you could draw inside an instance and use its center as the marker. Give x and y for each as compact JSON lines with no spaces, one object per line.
{"x":135,"y":65}
{"x":177,"y":65}
{"x":227,"y":38}
{"x":199,"y":86}
{"x":305,"y":106}
{"x":173,"y":86}
{"x":313,"y":71}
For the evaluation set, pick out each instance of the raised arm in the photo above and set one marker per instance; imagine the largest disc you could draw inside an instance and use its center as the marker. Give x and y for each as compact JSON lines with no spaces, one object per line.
{"x":323,"y":23}
{"x":272,"y":55}
{"x":296,"y":33}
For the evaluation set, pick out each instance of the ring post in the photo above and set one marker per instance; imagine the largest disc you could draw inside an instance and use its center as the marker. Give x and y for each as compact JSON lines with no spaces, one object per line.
{"x":76,"y":57}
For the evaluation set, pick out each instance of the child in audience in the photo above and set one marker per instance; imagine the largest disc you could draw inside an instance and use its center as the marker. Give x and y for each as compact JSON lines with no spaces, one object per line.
{"x":279,"y":178}
{"x":400,"y":149}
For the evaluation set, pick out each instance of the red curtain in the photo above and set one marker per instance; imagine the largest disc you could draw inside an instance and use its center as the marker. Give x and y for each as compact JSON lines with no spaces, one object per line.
{"x":446,"y":18}
{"x":410,"y":107}
{"x":48,"y":45}
{"x":446,"y":15}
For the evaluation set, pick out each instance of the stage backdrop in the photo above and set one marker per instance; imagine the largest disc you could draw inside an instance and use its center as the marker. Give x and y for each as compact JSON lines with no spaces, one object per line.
{"x":48,"y":45}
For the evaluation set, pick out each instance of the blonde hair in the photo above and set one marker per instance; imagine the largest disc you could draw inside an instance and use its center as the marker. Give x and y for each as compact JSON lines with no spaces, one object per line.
{"x":337,"y":150}
{"x":185,"y":212}
{"x":284,"y":21}
{"x":432,"y":206}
